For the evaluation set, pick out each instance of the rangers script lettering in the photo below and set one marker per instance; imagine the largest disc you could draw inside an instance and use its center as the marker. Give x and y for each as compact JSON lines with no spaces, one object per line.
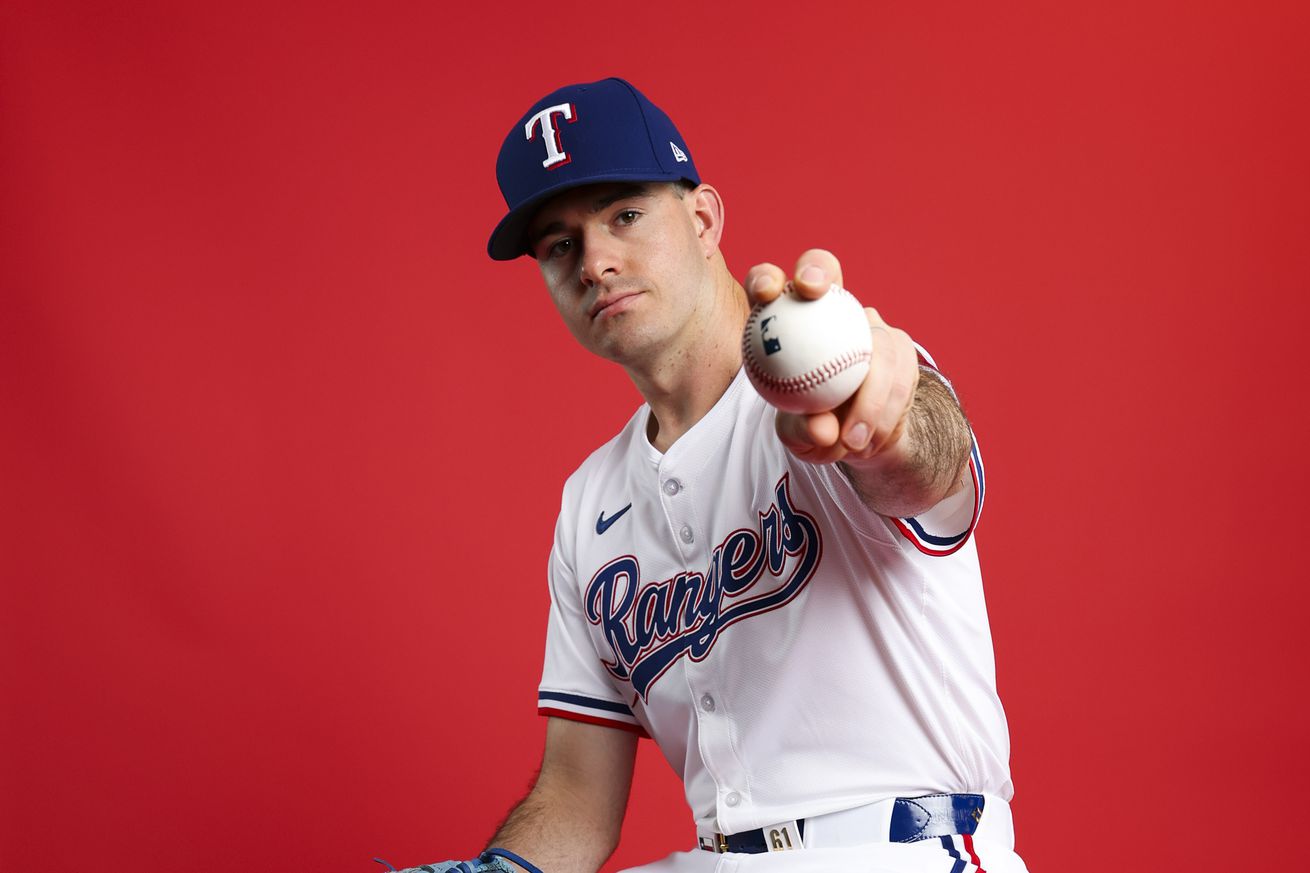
{"x":650,"y":627}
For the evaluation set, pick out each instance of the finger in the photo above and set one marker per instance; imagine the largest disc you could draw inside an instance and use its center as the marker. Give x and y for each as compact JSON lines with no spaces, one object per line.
{"x":861,"y":414}
{"x":819,"y":430}
{"x":823,"y":429}
{"x":810,"y":437}
{"x":817,"y":270}
{"x":900,"y":394}
{"x":872,"y":416}
{"x":764,"y":282}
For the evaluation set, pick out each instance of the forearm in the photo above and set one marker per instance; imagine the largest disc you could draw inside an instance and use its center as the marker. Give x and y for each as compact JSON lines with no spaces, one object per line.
{"x":555,"y":831}
{"x":570,"y":821}
{"x":926,"y":464}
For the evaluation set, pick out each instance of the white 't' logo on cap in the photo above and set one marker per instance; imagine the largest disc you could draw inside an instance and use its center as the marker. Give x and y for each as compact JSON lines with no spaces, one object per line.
{"x":545,"y":119}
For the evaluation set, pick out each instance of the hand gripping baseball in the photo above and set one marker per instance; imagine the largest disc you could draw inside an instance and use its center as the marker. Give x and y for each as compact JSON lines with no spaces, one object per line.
{"x":873,"y":419}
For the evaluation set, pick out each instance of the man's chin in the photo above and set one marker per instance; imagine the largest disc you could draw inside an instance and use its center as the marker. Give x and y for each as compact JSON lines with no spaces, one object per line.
{"x":624,"y":348}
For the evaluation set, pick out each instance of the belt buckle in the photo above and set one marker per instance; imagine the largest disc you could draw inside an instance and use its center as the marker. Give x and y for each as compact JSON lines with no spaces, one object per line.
{"x":717,"y":844}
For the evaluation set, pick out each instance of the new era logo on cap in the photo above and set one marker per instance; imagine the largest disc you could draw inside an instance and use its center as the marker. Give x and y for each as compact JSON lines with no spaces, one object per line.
{"x":604,"y":131}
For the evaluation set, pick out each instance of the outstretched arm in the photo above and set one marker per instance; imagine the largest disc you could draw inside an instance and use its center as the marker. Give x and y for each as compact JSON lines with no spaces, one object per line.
{"x":902,"y":439}
{"x":925,"y":464}
{"x":570,"y":821}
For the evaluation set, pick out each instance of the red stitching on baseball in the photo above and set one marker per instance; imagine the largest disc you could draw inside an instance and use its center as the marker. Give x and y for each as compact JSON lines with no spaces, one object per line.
{"x":811,"y":379}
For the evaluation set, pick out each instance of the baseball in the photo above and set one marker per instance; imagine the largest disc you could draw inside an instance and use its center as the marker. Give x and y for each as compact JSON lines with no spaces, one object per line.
{"x":807,"y":355}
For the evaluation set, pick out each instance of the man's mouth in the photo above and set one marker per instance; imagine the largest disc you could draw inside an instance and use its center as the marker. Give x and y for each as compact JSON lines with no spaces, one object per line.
{"x":611,"y":301}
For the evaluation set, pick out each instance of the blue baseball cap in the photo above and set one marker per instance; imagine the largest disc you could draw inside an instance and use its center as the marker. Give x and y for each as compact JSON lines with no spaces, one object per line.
{"x":604,"y":131}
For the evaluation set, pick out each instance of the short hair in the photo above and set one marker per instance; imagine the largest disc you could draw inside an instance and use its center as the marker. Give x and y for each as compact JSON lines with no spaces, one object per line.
{"x":682,"y":187}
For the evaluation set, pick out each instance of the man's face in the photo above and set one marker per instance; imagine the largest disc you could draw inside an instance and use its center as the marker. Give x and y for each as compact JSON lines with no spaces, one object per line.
{"x":624,"y":264}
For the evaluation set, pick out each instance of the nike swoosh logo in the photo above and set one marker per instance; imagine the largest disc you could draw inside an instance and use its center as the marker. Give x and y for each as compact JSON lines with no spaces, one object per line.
{"x":603,"y":523}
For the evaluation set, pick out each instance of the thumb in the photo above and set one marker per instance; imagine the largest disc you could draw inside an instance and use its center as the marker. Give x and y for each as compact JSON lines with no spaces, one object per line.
{"x":804,"y":434}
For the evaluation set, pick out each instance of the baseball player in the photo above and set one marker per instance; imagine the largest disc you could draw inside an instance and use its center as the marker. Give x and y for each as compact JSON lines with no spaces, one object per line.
{"x":789,"y":605}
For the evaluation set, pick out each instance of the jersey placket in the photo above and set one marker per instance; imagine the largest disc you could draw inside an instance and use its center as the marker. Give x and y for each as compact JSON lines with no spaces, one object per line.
{"x":713,"y":718}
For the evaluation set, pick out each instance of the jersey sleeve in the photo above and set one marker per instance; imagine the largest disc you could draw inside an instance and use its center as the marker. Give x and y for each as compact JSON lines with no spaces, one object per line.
{"x":946,"y":527}
{"x":574,"y":682}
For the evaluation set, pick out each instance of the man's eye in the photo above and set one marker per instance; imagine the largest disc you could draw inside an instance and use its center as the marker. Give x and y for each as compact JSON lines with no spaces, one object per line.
{"x":560,"y":248}
{"x":628,"y":216}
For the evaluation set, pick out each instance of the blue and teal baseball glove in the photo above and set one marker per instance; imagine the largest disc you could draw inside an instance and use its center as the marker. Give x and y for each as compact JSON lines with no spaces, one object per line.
{"x":490,"y":861}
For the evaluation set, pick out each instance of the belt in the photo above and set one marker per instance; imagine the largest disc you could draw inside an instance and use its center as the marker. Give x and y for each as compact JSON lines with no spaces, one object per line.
{"x":899,"y":820}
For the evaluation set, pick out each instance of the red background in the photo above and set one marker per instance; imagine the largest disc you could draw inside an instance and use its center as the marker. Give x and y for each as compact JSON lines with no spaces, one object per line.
{"x":281,"y":448}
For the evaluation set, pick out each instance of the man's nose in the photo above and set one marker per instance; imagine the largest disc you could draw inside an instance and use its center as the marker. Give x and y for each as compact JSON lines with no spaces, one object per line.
{"x":600,"y":257}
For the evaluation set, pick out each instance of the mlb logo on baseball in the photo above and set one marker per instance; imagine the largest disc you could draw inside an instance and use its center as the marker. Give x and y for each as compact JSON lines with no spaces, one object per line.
{"x":772,"y":345}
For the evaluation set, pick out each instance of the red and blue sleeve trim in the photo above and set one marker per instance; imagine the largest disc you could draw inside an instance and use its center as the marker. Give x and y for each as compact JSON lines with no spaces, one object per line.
{"x":932,"y":544}
{"x":579,"y":700}
{"x":590,"y":710}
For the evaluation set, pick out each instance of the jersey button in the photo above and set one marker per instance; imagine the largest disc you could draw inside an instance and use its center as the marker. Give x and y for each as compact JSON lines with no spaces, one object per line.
{"x":707,"y":703}
{"x":732,"y":799}
{"x":686,"y":534}
{"x":672,"y":486}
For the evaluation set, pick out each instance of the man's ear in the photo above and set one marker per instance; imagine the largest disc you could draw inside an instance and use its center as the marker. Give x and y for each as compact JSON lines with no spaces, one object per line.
{"x":707,"y":213}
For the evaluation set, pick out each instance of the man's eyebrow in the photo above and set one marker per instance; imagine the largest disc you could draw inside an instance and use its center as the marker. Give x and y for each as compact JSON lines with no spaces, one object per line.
{"x":622,"y":194}
{"x":540,"y":234}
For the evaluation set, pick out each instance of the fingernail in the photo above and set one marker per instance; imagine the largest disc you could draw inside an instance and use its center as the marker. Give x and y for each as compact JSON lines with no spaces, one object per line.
{"x":756,"y":283}
{"x":811,"y":275}
{"x":858,"y":437}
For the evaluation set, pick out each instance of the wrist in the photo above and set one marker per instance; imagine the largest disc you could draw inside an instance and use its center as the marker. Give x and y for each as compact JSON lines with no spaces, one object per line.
{"x":507,"y":862}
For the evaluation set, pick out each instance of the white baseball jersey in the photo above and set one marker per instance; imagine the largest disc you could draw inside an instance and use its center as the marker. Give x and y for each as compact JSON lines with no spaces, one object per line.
{"x":791,"y":652}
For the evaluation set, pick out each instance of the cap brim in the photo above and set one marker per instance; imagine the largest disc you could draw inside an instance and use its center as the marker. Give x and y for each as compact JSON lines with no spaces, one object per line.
{"x":507,"y":242}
